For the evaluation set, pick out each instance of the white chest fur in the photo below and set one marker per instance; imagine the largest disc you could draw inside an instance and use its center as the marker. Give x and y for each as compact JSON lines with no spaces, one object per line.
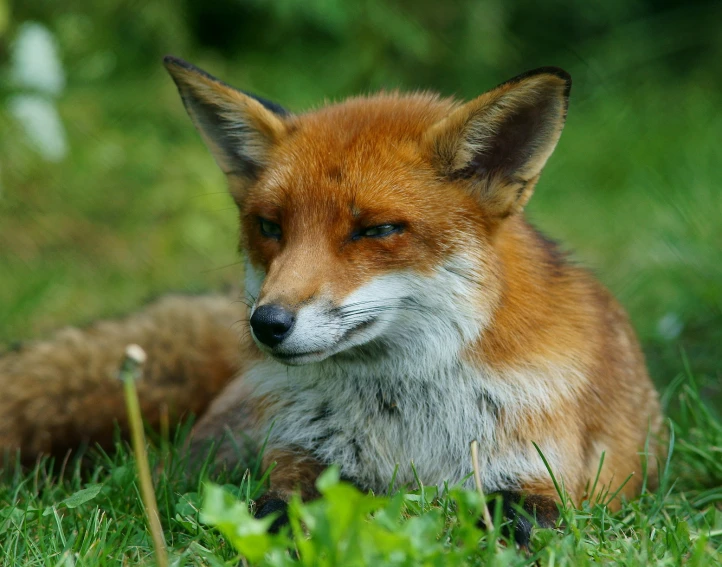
{"x":369,"y":420}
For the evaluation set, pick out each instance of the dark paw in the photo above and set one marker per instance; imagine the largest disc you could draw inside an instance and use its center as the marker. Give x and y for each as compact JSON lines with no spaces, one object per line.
{"x":524,"y":512}
{"x":271,"y":505}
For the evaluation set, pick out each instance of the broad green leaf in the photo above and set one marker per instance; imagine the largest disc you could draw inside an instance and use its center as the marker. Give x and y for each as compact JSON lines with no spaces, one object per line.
{"x":233,"y":519}
{"x":76,"y":499}
{"x":82,"y":496}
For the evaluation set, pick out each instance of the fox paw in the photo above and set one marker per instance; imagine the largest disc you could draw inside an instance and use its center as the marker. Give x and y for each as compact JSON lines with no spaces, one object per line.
{"x":272,"y":505}
{"x":524,"y":512}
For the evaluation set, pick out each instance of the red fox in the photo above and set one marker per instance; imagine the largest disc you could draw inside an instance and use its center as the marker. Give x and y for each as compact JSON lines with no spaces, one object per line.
{"x":400,"y":306}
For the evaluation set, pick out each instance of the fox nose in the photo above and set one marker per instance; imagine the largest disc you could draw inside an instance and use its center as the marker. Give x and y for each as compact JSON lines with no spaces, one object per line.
{"x":271,"y":324}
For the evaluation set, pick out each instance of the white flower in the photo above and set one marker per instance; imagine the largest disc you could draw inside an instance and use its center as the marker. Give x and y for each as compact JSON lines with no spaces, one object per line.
{"x":34,"y":63}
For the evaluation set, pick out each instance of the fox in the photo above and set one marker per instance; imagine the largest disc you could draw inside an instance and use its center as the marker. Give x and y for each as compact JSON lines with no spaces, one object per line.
{"x":397,"y":305}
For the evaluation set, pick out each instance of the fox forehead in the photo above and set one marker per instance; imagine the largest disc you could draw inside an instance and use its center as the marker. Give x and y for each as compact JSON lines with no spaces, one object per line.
{"x":361,"y":163}
{"x":384,"y":117}
{"x":355,"y":152}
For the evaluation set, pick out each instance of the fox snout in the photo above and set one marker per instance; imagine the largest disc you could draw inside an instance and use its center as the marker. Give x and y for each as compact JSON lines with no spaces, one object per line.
{"x":298,"y":333}
{"x":396,"y":308}
{"x":309,"y":332}
{"x":272,"y":323}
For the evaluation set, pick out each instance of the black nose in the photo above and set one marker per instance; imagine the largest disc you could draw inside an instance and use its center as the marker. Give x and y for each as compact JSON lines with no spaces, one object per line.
{"x":271,"y":324}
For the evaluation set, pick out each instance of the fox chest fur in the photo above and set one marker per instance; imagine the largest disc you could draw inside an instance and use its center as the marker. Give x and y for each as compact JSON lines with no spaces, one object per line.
{"x":376,"y":424}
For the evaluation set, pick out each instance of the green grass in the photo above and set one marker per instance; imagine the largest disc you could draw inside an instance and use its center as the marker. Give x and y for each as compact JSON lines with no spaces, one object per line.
{"x":139,"y":209}
{"x":91,"y":515}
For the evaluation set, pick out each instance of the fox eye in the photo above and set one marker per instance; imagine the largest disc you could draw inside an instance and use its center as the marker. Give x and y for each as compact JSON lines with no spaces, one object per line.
{"x":270,"y":229}
{"x":380,"y":231}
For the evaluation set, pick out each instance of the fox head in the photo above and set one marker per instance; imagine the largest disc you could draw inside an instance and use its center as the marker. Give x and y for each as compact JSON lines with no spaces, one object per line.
{"x":371,"y":224}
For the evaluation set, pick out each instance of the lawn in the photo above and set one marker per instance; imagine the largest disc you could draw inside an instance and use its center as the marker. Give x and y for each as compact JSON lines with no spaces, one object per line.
{"x":138,"y":209}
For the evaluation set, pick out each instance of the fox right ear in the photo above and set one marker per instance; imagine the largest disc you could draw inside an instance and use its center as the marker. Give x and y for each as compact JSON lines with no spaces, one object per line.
{"x":499,"y":142}
{"x":240,"y":129}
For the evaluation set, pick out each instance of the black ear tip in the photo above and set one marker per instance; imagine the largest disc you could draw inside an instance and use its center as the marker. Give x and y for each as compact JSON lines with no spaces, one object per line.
{"x":170,"y":60}
{"x":172,"y":64}
{"x":173,"y":61}
{"x":563,"y":75}
{"x":555,"y":71}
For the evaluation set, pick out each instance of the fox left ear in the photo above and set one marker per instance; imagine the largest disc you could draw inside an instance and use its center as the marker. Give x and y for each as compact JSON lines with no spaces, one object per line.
{"x":500,"y":141}
{"x":240,"y":129}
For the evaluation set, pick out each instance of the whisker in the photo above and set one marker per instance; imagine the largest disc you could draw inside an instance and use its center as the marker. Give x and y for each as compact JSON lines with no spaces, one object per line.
{"x":247,"y":302}
{"x":250,"y":295}
{"x":372,"y":301}
{"x":244,"y":323}
{"x":408,"y":304}
{"x":368,"y":313}
{"x":463,"y":276}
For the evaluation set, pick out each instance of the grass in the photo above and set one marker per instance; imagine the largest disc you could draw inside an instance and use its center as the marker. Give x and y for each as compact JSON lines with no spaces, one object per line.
{"x":139,"y":209}
{"x":92,"y":515}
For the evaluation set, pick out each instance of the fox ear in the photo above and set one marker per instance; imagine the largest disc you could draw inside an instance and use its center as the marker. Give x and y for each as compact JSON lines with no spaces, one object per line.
{"x":500,"y":141}
{"x":239,"y":128}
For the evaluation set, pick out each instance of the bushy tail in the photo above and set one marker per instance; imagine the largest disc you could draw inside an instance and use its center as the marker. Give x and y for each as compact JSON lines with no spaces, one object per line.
{"x":59,"y":393}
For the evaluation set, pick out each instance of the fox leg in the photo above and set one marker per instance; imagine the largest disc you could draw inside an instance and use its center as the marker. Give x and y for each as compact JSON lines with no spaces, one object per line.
{"x":297,"y":472}
{"x":294,"y":472}
{"x":59,"y":393}
{"x":525,"y":511}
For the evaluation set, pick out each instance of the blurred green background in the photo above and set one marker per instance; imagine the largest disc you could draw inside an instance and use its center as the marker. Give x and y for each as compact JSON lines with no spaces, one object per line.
{"x":108,"y":197}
